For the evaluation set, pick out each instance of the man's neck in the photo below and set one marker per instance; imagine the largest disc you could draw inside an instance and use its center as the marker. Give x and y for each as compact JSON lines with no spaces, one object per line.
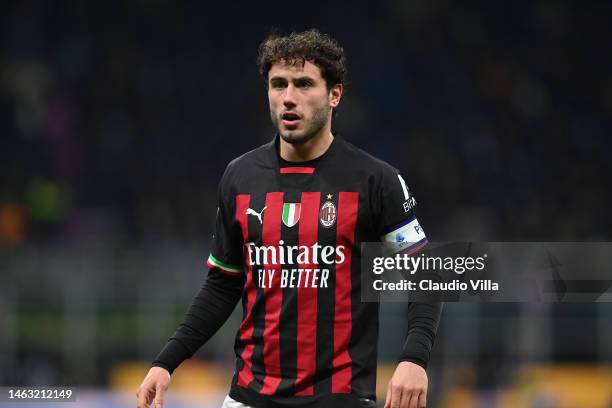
{"x":310,"y":150}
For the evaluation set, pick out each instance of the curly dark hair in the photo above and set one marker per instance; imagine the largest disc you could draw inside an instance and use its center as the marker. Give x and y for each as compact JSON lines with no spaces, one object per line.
{"x":297,"y":48}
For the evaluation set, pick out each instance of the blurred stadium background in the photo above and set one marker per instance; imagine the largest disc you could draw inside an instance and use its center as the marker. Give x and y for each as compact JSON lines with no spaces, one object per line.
{"x":118,"y":118}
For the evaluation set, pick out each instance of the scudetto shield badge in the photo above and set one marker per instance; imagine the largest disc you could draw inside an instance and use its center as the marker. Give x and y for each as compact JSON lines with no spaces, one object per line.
{"x":291,"y":213}
{"x":327,"y":214}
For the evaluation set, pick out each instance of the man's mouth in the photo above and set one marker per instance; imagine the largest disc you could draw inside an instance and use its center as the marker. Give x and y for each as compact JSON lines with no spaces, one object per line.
{"x":290,"y":118}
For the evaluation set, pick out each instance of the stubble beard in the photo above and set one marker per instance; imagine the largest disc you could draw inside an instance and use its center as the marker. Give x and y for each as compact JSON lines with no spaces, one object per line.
{"x":311,"y":128}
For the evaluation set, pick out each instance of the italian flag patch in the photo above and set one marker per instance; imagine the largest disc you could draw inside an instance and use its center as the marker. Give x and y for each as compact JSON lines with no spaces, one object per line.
{"x":291,"y":213}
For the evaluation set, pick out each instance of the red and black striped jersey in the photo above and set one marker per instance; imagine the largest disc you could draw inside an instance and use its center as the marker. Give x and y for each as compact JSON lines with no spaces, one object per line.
{"x":294,"y":230}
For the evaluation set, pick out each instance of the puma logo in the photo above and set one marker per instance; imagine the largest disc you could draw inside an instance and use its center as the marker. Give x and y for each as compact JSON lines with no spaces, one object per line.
{"x":250,"y":211}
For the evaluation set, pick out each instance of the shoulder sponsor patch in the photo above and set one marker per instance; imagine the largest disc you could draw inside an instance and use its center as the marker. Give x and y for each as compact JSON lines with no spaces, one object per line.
{"x":409,"y":201}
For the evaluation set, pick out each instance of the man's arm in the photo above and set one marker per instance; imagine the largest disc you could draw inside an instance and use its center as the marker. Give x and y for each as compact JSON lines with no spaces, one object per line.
{"x":423,"y":320}
{"x":408,"y":385}
{"x":210,"y":308}
{"x":395,"y":208}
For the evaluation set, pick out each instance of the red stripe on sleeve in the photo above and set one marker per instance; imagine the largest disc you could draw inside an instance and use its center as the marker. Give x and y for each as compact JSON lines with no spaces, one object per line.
{"x":273,"y":296}
{"x":307,"y":300}
{"x":245,"y":376}
{"x":297,"y":170}
{"x":342,"y":364}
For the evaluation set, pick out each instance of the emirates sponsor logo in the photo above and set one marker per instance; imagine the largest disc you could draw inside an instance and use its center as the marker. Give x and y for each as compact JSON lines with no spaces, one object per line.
{"x":281,"y":254}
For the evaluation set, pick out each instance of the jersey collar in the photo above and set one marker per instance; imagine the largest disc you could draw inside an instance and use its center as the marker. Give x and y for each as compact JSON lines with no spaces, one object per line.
{"x":273,"y":151}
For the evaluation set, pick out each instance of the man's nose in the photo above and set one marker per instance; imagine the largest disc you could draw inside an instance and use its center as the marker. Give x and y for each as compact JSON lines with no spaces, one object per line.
{"x":289,"y":96}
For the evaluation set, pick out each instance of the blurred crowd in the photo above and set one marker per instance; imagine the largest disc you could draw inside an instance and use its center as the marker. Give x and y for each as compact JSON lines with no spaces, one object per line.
{"x":117,"y":119}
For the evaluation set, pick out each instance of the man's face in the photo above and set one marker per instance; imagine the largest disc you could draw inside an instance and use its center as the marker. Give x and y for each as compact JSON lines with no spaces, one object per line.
{"x":300,"y":104}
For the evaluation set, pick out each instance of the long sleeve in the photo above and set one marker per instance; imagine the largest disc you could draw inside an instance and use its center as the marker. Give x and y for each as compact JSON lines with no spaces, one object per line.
{"x":209,"y":310}
{"x":423,"y":320}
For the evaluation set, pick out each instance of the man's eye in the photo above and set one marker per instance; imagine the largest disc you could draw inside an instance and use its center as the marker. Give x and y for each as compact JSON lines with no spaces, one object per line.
{"x":278,"y":85}
{"x":304,"y":84}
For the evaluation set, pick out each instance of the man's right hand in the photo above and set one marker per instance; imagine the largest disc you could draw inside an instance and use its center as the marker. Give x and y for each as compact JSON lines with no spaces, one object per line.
{"x":153,"y":388}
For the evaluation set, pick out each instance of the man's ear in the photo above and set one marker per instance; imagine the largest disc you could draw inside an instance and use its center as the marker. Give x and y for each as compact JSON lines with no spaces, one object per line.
{"x":335,"y":94}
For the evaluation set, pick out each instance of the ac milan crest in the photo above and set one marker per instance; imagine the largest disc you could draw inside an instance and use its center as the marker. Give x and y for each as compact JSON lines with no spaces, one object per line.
{"x":327,"y":214}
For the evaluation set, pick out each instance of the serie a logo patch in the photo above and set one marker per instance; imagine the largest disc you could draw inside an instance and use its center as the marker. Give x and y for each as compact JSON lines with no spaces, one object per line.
{"x":327,"y":214}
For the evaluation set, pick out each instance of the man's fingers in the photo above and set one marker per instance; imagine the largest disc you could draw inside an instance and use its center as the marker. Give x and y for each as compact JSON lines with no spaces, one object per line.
{"x":401,"y":397}
{"x":414,"y":398}
{"x":153,"y":388}
{"x":139,"y":395}
{"x":160,"y":392}
{"x":144,"y":399}
{"x":404,"y":399}
{"x":396,"y":396}
{"x":423,"y":399}
{"x":388,"y":398}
